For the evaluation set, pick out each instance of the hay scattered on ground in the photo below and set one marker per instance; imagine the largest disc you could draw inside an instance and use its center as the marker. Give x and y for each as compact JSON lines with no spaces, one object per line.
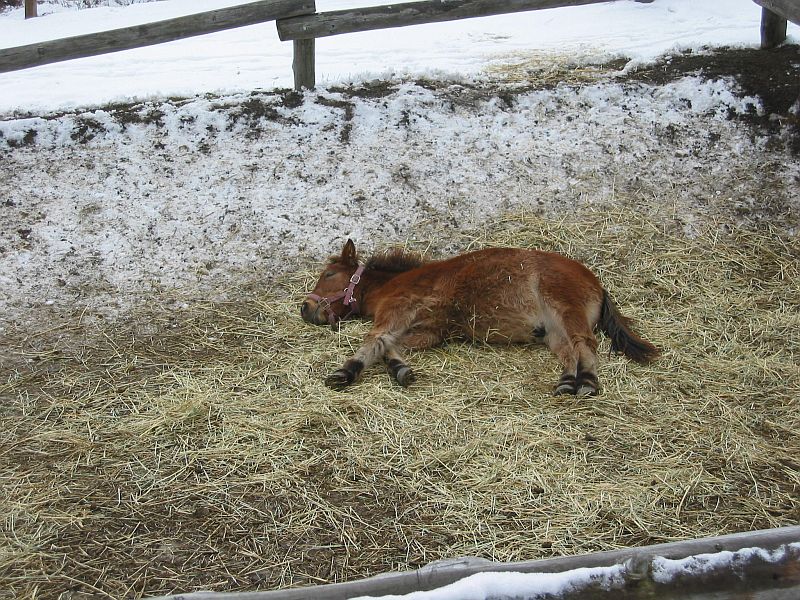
{"x":210,"y":455}
{"x":539,"y":68}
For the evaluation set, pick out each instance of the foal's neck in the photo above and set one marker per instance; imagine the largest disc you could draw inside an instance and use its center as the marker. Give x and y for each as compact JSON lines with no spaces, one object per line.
{"x":380,"y":269}
{"x":369,"y":290}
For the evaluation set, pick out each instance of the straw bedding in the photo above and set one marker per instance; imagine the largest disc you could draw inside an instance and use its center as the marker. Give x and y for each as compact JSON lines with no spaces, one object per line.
{"x":208,"y":454}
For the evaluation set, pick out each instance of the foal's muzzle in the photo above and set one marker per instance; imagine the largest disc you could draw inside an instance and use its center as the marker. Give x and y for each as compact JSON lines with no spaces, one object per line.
{"x":314,"y":314}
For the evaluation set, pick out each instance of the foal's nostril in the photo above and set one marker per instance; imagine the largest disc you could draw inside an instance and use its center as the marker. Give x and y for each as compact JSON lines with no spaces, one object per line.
{"x":304,"y":309}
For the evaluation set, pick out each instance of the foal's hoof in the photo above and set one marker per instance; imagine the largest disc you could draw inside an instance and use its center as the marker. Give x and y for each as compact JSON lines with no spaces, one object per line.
{"x":401,"y":372}
{"x":338,"y":380}
{"x":588,"y":384}
{"x":405,"y":376}
{"x":566,"y":386}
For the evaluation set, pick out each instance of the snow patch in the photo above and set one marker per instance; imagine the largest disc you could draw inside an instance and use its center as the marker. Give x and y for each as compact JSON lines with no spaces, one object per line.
{"x":665,"y":570}
{"x":493,"y":585}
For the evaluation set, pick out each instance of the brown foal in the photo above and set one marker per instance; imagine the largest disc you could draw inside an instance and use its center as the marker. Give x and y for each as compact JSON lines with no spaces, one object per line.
{"x":496,"y":295}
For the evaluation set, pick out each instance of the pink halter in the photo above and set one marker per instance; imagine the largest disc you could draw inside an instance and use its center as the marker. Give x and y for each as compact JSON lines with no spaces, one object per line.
{"x":348,"y":299}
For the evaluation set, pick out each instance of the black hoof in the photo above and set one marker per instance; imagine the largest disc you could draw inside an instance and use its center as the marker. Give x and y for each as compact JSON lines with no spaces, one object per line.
{"x":401,"y":372}
{"x":339,"y":380}
{"x":588,"y":384}
{"x":405,"y":376}
{"x":566,"y":386}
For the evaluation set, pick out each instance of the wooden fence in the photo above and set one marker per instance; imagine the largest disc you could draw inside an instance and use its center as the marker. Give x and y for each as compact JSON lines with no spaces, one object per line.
{"x":305,"y":29}
{"x":297,"y":20}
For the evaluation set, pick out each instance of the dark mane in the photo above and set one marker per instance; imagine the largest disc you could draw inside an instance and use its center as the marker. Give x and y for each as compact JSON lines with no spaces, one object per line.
{"x":395,"y":260}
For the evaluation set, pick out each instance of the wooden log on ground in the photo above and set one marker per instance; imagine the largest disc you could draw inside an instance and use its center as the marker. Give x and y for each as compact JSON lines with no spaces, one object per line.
{"x":729,"y":572}
{"x":400,"y":15}
{"x":22,"y":57}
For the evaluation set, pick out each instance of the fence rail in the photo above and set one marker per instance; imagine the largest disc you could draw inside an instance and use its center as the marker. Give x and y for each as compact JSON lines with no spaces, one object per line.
{"x":303,"y":30}
{"x":169,"y":30}
{"x":413,"y":13}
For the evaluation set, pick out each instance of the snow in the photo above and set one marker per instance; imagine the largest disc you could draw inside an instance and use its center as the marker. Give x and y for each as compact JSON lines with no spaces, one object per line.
{"x":666,"y":570}
{"x":252,"y":57}
{"x":102,"y":206}
{"x":485,"y":586}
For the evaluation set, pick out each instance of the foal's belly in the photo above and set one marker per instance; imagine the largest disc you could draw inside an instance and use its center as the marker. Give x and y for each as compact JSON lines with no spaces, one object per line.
{"x":502,"y":329}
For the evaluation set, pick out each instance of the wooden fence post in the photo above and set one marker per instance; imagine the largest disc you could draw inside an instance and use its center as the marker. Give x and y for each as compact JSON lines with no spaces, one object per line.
{"x":303,"y":64}
{"x":30,"y":9}
{"x":773,"y":28}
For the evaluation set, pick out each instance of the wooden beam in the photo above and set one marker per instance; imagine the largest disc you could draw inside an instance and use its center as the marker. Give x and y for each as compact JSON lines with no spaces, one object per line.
{"x":22,"y":57}
{"x":401,"y":15}
{"x":303,"y":64}
{"x":773,"y":29}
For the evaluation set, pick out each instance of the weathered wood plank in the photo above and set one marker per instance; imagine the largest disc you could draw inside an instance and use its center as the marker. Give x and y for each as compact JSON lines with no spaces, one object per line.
{"x":764,"y":580}
{"x":773,"y":29}
{"x":788,"y":9}
{"x":303,"y":64}
{"x":22,"y":57}
{"x":400,"y":15}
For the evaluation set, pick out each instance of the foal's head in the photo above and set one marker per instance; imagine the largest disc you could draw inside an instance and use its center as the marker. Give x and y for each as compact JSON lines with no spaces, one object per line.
{"x":332,"y":300}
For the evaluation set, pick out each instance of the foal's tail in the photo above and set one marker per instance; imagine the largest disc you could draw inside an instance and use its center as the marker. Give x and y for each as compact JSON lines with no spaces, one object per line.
{"x":623,"y":339}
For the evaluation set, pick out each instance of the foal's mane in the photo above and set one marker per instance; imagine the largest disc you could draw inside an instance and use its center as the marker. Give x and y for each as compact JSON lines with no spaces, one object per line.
{"x":395,"y":260}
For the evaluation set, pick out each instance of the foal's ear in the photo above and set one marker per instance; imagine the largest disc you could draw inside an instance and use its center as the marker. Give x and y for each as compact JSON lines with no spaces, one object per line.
{"x":349,"y":253}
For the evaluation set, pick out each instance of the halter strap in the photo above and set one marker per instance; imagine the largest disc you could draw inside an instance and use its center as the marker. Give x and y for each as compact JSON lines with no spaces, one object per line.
{"x":347,"y":297}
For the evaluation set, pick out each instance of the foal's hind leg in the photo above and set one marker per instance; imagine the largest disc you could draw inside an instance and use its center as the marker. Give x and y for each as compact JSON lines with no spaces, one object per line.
{"x":561,"y":347}
{"x":588,"y":383}
{"x":576,"y":348}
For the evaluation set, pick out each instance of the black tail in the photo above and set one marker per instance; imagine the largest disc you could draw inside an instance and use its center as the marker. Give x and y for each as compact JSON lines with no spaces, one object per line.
{"x":623,"y":339}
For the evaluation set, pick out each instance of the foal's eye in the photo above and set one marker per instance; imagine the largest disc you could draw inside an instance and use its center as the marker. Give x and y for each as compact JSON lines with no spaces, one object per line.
{"x":327,"y":274}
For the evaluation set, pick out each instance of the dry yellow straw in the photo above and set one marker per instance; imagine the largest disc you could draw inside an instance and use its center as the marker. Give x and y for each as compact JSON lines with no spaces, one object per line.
{"x":210,"y":454}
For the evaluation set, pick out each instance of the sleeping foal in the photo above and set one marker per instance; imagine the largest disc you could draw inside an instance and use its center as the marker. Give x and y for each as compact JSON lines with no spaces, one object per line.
{"x":496,"y":295}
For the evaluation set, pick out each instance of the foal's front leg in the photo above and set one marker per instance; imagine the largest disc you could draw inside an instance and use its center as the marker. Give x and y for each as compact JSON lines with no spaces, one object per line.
{"x":398,"y":368}
{"x":376,"y":345}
